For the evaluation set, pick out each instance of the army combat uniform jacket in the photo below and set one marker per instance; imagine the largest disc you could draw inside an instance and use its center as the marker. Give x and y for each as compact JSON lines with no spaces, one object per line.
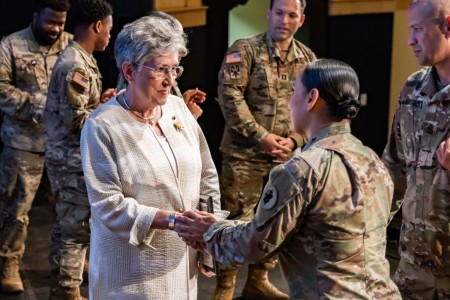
{"x":421,"y":123}
{"x":326,"y":212}
{"x":255,"y":86}
{"x":74,"y":92}
{"x":25,"y":70}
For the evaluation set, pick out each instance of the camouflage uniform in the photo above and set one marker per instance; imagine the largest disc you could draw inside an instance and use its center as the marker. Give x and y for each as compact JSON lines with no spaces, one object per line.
{"x":74,"y":92}
{"x":25,"y":69}
{"x":421,"y":123}
{"x":325,"y":211}
{"x":255,"y":86}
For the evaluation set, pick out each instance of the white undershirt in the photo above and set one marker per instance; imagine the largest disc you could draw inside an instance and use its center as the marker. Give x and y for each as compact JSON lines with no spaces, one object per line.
{"x":167,"y":150}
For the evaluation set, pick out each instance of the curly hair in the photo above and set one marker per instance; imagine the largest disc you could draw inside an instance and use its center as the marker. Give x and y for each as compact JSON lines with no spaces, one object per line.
{"x":85,"y":12}
{"x":147,"y":38}
{"x":56,"y":5}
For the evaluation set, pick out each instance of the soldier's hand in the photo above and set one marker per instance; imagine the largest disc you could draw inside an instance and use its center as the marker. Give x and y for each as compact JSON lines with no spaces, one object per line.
{"x":193,"y":224}
{"x":39,"y":107}
{"x":195,"y":96}
{"x":272,"y":146}
{"x":443,"y":154}
{"x":108,"y":94}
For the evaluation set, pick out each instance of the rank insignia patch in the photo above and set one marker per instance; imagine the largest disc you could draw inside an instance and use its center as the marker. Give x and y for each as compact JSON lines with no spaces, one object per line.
{"x":235,"y":71}
{"x":80,"y":80}
{"x":270,"y":197}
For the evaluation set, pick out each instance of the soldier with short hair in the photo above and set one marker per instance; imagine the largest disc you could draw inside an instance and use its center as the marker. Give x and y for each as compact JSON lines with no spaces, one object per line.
{"x":75,"y":91}
{"x":416,"y":157}
{"x":255,"y":83}
{"x":26,"y":62}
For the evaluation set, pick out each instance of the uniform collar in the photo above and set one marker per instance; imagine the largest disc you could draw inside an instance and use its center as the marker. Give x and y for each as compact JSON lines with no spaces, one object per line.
{"x":274,"y":52}
{"x":89,"y":58}
{"x":342,"y":127}
{"x":429,"y":85}
{"x":34,"y":46}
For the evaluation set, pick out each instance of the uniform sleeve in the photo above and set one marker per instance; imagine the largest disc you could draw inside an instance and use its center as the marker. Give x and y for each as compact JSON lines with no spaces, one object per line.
{"x":14,"y":101}
{"x":74,"y":108}
{"x":278,"y":216}
{"x":122,"y":215}
{"x":233,"y":81}
{"x":393,"y":159}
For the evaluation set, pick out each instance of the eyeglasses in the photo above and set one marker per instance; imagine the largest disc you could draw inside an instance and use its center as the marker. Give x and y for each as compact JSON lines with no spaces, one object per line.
{"x":162,"y":72}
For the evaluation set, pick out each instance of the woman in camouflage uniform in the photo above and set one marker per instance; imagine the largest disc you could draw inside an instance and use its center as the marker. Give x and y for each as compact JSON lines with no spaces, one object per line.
{"x":325,"y":211}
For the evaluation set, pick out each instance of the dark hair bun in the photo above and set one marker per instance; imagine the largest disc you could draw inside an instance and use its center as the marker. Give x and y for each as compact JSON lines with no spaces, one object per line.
{"x":348,"y":108}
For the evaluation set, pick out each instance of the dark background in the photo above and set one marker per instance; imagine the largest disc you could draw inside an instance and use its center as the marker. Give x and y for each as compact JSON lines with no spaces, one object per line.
{"x":353,"y":39}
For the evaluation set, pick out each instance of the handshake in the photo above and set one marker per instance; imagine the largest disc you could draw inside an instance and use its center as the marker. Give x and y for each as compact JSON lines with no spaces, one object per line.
{"x":193,"y":224}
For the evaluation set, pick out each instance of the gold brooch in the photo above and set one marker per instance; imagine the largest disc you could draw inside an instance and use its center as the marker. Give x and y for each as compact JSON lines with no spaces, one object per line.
{"x":177,"y":124}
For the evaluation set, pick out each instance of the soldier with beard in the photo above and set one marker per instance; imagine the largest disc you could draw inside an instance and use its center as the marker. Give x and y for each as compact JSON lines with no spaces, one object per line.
{"x":26,"y":62}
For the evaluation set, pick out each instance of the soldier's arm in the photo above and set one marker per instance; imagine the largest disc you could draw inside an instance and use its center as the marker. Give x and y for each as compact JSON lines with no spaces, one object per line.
{"x":74,"y":107}
{"x":233,"y":81}
{"x":278,"y":216}
{"x":394,"y":161}
{"x":14,"y":101}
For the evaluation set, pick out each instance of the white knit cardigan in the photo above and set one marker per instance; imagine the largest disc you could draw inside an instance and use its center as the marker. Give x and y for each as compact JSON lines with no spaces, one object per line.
{"x":128,"y":179}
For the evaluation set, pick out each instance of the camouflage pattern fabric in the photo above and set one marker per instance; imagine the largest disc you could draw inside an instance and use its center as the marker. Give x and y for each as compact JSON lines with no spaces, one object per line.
{"x":25,"y":69}
{"x":71,"y":231}
{"x":421,"y":123}
{"x":255,"y":86}
{"x":20,"y":174}
{"x":325,"y":213}
{"x":241,"y":184}
{"x":74,"y":92}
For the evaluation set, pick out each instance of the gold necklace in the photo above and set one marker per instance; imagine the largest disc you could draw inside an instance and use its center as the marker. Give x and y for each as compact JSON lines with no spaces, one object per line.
{"x":150,"y":119}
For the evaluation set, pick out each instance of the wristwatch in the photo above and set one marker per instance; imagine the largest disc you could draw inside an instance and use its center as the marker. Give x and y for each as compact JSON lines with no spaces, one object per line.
{"x":172,"y":221}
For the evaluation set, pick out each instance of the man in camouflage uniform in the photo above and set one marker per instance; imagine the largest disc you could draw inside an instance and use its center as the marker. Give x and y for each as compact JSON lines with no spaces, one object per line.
{"x":255,"y":83}
{"x":74,"y":92}
{"x":421,"y":123}
{"x":325,"y":211}
{"x":26,"y":62}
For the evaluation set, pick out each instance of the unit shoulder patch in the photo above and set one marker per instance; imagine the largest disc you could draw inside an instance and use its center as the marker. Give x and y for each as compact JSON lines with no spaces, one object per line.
{"x":270,"y":197}
{"x":234,"y":71}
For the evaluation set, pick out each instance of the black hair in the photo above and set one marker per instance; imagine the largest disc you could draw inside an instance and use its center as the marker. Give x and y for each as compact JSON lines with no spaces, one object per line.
{"x":86,"y":12}
{"x":56,"y":5}
{"x":302,"y":3}
{"x":337,"y":84}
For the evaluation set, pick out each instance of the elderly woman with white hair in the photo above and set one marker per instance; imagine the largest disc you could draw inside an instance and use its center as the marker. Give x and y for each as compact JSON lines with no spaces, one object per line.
{"x":145,"y":159}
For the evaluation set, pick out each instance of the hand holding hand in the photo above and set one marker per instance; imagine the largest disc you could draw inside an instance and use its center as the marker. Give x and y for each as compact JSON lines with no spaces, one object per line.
{"x":191,"y":225}
{"x":276,"y":146}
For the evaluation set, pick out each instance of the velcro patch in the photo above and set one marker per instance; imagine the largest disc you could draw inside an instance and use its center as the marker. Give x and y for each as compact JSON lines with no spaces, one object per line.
{"x":80,"y":80}
{"x":233,"y":58}
{"x":235,"y":71}
{"x":270,"y":197}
